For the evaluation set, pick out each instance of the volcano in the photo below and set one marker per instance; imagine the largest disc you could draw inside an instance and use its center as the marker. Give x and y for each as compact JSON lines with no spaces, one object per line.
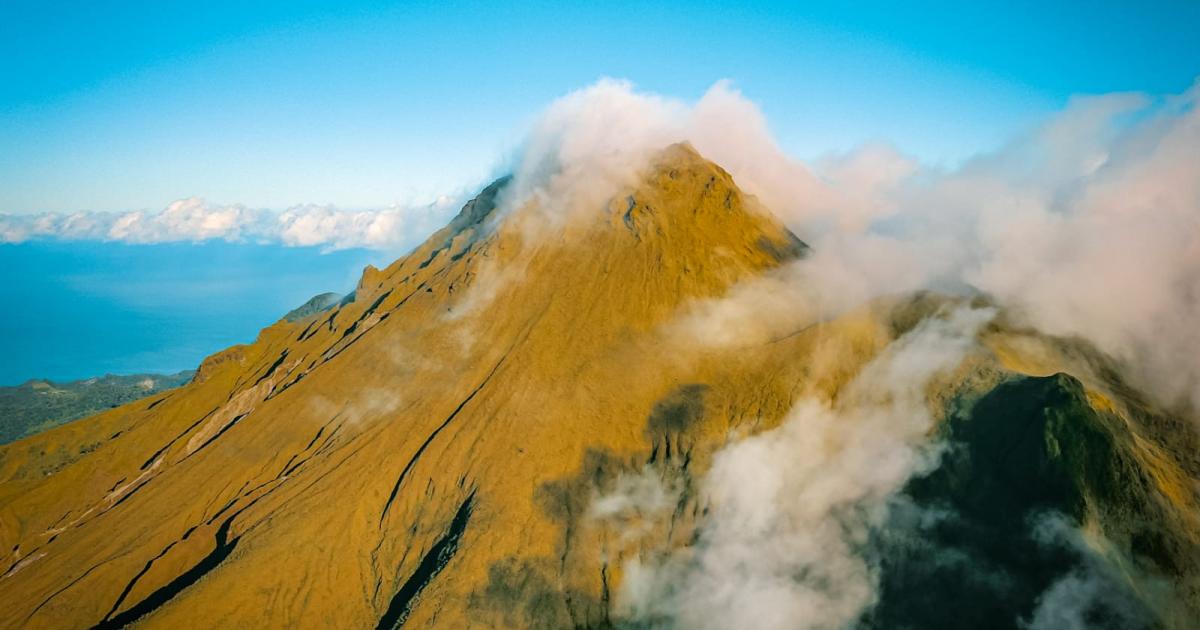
{"x":463,"y":441}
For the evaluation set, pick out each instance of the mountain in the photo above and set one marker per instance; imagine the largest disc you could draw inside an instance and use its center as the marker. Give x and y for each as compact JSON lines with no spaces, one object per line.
{"x":316,"y":304}
{"x":505,"y":428}
{"x":38,"y":405}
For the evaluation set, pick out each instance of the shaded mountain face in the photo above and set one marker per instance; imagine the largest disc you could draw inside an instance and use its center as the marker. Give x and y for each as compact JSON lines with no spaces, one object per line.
{"x":505,"y":428}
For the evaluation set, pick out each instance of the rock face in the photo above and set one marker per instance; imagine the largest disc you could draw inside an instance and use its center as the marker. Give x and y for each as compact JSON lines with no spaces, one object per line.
{"x":427,"y":453}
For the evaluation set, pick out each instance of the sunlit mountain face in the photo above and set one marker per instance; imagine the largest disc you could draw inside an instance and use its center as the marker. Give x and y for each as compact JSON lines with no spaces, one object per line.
{"x":372,"y":317}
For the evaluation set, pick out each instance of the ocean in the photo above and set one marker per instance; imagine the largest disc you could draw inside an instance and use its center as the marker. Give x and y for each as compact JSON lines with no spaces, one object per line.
{"x":73,"y":310}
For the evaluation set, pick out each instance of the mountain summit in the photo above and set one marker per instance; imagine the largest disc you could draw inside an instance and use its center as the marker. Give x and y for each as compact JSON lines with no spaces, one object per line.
{"x":506,"y":427}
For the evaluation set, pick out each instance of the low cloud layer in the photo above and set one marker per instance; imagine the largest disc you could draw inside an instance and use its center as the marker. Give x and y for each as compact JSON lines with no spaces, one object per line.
{"x":196,"y":220}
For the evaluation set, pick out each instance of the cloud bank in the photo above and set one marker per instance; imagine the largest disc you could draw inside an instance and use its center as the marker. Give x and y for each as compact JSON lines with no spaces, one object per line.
{"x":195,"y":220}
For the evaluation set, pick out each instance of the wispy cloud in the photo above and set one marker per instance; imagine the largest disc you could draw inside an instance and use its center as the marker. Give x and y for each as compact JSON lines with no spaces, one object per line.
{"x":791,"y":508}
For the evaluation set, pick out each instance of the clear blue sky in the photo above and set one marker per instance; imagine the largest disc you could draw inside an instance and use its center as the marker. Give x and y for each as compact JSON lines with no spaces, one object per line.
{"x":124,"y":105}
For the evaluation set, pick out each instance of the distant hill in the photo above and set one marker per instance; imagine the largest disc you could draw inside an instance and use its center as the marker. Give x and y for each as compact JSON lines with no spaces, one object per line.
{"x":38,"y":405}
{"x":322,"y":302}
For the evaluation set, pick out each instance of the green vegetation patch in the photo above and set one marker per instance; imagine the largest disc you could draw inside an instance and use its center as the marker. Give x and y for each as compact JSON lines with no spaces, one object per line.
{"x":39,"y":405}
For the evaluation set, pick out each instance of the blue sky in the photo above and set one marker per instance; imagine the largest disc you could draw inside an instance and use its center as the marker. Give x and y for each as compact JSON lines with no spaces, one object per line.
{"x":119,"y":106}
{"x":109,"y":106}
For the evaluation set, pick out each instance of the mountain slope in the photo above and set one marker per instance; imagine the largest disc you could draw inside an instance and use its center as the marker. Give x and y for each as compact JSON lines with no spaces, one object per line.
{"x":427,"y":453}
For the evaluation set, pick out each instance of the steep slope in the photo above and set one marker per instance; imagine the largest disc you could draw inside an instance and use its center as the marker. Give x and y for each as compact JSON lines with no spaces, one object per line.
{"x":425,"y":453}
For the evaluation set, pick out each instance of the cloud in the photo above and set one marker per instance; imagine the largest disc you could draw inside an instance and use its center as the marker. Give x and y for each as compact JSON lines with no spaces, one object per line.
{"x":592,"y":142}
{"x":1110,"y":249}
{"x":582,"y":149}
{"x":791,"y":508}
{"x":1089,"y":597}
{"x":194,"y":220}
{"x":1086,"y":226}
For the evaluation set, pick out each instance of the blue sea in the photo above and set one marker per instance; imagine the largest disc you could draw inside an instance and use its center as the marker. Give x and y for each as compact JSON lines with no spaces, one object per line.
{"x":73,"y":310}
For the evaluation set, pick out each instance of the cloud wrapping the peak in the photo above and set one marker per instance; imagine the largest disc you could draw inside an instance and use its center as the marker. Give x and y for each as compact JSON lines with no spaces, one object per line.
{"x":588,"y":144}
{"x":592,"y":142}
{"x":1086,"y":226}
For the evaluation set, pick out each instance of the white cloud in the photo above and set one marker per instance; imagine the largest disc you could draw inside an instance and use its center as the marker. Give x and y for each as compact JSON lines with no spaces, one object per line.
{"x":1090,"y":596}
{"x":198,"y":220}
{"x":792,"y":507}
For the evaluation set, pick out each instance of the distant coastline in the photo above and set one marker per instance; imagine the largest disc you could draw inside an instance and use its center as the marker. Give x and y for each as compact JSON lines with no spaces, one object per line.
{"x":39,"y":404}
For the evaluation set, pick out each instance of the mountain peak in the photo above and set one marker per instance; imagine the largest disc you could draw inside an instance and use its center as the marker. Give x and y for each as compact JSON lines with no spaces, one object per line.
{"x":682,"y":225}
